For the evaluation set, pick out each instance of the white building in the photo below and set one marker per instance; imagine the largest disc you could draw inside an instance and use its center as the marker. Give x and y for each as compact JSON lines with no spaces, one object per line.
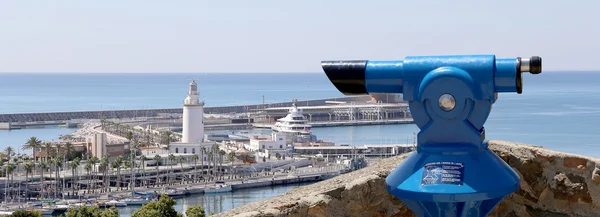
{"x":193,"y":116}
{"x":192,"y":139}
{"x":274,"y":143}
{"x":190,"y":148}
{"x":150,"y":152}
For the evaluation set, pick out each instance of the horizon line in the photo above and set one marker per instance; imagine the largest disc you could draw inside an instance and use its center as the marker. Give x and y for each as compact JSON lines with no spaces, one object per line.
{"x":549,"y":71}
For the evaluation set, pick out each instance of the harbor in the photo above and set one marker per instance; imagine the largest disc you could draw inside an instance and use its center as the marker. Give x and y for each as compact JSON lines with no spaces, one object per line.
{"x":123,"y":161}
{"x":135,"y":197}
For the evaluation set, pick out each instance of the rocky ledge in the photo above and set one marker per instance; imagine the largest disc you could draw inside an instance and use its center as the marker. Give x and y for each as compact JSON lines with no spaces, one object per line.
{"x":552,"y":184}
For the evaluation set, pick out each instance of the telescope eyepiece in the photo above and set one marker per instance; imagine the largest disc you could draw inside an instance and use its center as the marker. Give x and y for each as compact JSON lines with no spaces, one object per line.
{"x":347,"y":76}
{"x":532,"y":65}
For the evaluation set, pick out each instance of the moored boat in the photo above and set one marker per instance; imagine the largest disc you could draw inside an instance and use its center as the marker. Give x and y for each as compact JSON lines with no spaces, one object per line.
{"x":136,"y":201}
{"x":46,"y":211}
{"x":115,"y":203}
{"x":220,"y":187}
{"x":174,"y":193}
{"x":60,"y":208}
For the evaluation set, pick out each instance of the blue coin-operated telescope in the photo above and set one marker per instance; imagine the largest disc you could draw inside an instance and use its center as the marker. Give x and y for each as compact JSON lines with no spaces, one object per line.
{"x":452,"y":173}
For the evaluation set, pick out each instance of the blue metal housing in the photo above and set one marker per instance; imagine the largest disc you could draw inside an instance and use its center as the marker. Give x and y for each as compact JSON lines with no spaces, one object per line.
{"x":452,"y":173}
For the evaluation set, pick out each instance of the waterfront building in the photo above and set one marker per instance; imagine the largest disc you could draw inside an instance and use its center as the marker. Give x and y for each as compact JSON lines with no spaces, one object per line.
{"x":150,"y":152}
{"x":99,"y":147}
{"x":192,"y":140}
{"x":190,"y":148}
{"x":275,"y":143}
{"x":41,"y":153}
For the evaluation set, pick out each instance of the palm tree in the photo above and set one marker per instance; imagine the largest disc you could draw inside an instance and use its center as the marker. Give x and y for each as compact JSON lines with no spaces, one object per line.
{"x":93,"y":161}
{"x":215,"y":153}
{"x":74,"y":165}
{"x":104,"y":167}
{"x":67,"y":150}
{"x":10,"y":168}
{"x":172,"y":159}
{"x":47,"y":148}
{"x":180,"y":160}
{"x":58,"y":163}
{"x":33,"y":143}
{"x":195,"y":159}
{"x":221,"y":158}
{"x":132,"y":165}
{"x":231,"y":158}
{"x":143,"y":160}
{"x":157,"y":159}
{"x":209,"y":169}
{"x":117,"y":165}
{"x":88,"y":168}
{"x":202,"y":152}
{"x":9,"y":152}
{"x":28,"y":167}
{"x":43,"y":166}
{"x":166,"y":137}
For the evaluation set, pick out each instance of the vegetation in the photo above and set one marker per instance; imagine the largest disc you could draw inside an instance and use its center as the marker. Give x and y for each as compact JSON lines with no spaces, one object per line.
{"x":25,"y":213}
{"x":164,"y":207}
{"x":195,"y":211}
{"x":94,"y":211}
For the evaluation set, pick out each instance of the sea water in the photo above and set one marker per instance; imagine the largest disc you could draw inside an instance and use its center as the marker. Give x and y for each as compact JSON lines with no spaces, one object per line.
{"x":557,"y":110}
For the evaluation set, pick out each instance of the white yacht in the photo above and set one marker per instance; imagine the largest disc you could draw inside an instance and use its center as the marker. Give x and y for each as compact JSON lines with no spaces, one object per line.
{"x":295,"y":126}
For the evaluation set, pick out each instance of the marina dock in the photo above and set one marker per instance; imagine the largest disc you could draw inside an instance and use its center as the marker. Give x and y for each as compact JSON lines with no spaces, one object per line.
{"x":346,"y":123}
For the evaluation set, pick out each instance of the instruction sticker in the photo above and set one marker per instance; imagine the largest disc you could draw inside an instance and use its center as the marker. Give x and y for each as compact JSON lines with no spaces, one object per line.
{"x":443,"y":173}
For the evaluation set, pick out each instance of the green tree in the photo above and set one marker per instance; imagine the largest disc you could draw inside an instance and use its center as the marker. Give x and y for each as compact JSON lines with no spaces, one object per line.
{"x":162,"y":208}
{"x":26,"y":213}
{"x":195,"y":211}
{"x":110,"y":212}
{"x":93,"y":211}
{"x":129,"y":136}
{"x":278,"y":156}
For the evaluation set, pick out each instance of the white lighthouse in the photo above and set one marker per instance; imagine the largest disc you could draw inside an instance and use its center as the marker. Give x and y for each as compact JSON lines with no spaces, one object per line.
{"x":193,"y":116}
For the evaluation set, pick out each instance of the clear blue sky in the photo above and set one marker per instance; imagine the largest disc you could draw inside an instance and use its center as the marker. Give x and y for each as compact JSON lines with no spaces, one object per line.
{"x":286,"y":36}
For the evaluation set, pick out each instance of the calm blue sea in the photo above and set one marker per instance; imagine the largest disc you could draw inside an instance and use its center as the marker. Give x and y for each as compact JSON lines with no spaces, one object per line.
{"x":558,"y":110}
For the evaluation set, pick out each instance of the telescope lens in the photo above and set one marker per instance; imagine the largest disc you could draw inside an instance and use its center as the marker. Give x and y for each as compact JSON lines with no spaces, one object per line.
{"x":347,"y":76}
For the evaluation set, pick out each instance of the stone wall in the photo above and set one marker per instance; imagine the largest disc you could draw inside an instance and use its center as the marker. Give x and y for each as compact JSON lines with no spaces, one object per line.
{"x":552,"y":184}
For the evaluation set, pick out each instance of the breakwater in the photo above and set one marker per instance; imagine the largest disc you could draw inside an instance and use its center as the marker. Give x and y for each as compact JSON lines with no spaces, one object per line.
{"x":108,"y":114}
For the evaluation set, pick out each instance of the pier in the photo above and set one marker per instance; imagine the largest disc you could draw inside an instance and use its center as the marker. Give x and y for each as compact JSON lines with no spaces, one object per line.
{"x":64,"y":117}
{"x":334,"y":114}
